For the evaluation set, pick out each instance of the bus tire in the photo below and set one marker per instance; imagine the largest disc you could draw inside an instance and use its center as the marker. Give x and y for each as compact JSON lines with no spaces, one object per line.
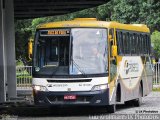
{"x":137,"y":102}
{"x":128,"y":103}
{"x":111,"y":108}
{"x":35,"y":102}
{"x":118,"y":93}
{"x":35,"y":98}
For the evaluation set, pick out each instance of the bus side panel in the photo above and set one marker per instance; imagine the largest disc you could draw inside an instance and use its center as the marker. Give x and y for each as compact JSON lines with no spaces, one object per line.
{"x":128,"y":94}
{"x":147,"y":79}
{"x":133,"y":73}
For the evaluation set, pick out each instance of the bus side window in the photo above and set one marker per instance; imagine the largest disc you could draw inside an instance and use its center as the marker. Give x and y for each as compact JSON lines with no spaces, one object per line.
{"x":144,"y":38}
{"x":128,"y":43}
{"x":132,"y":44}
{"x":118,"y":45}
{"x":119,"y":42}
{"x":141,"y":42}
{"x":124,"y":43}
{"x":149,"y":44}
{"x":137,"y":44}
{"x":144,"y":41}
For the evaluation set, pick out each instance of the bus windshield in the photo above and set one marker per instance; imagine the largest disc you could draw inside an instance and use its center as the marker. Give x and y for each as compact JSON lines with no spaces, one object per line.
{"x":76,"y":51}
{"x":89,"y":53}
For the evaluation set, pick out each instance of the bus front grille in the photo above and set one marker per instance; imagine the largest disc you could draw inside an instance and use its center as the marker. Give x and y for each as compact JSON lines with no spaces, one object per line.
{"x":69,"y":81}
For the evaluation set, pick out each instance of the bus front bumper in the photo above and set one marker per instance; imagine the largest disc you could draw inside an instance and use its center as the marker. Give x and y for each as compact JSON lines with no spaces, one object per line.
{"x":91,"y":98}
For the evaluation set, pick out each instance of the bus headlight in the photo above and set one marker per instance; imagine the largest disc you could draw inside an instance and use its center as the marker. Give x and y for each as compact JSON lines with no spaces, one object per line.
{"x":39,"y":88}
{"x":99,"y":87}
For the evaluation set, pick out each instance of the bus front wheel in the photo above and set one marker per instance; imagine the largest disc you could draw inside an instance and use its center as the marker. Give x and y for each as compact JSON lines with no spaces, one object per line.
{"x":111,"y":108}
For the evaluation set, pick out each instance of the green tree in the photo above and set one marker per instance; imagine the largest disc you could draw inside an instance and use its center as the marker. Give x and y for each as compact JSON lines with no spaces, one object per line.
{"x":137,"y":11}
{"x":124,"y":11}
{"x":22,"y":33}
{"x":155,"y":39}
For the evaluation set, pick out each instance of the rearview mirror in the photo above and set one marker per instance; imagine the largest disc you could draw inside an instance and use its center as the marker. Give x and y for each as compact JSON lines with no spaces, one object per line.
{"x":30,"y":48}
{"x":114,"y":50}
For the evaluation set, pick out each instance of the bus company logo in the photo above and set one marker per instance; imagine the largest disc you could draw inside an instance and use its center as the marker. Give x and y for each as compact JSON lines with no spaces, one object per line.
{"x":130,"y":67}
{"x":126,"y":69}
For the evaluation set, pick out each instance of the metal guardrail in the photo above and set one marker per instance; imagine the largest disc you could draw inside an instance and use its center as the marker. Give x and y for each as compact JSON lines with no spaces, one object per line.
{"x":156,"y":78}
{"x":24,"y":77}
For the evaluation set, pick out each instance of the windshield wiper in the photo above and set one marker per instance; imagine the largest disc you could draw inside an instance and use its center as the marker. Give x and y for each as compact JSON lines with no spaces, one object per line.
{"x":71,"y":58}
{"x":54,"y":72}
{"x":77,"y":66}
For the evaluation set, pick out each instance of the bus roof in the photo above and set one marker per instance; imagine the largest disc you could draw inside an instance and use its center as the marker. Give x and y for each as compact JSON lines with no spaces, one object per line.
{"x":93,"y":22}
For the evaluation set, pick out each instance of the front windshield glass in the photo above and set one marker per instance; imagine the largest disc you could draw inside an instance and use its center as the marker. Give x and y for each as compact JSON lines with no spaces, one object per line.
{"x":70,"y":52}
{"x":51,"y":56}
{"x":89,"y":51}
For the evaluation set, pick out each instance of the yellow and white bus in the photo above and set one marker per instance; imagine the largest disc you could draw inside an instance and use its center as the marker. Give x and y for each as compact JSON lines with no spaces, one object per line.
{"x":89,"y":62}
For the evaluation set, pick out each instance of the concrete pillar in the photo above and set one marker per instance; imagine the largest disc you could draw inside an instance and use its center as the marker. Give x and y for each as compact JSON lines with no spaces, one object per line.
{"x":10,"y":48}
{"x":2,"y":56}
{"x":7,"y":50}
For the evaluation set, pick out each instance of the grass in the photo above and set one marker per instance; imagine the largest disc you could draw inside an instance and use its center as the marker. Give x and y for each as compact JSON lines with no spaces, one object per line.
{"x":24,"y":77}
{"x":156,"y":89}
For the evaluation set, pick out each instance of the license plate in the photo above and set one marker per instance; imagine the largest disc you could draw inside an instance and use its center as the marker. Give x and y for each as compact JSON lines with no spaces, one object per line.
{"x":69,"y":97}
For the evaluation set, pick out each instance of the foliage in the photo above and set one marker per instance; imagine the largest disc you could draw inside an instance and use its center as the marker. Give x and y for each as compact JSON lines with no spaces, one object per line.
{"x":124,"y":11}
{"x":23,"y":32}
{"x":156,"y":90}
{"x":155,"y":37}
{"x":19,"y":63}
{"x":137,"y":11}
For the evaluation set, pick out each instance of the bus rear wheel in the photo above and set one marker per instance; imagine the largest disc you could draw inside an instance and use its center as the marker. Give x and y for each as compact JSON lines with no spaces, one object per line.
{"x":137,"y":102}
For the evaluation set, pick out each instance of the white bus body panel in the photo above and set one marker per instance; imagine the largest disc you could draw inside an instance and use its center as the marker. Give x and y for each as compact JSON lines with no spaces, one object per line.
{"x":130,"y":71}
{"x":70,"y":86}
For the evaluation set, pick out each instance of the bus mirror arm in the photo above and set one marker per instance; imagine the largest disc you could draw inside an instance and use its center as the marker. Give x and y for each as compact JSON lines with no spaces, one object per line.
{"x":110,"y":38}
{"x":30,"y":56}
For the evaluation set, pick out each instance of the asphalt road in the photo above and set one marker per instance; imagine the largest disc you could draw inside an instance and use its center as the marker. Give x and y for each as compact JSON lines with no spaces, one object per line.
{"x":150,"y":105}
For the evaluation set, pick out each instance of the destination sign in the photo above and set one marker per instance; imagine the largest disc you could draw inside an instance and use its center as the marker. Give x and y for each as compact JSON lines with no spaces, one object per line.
{"x":58,"y":32}
{"x":55,"y":32}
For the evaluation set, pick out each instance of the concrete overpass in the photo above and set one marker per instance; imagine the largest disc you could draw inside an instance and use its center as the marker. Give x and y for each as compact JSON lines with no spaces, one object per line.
{"x":25,"y":9}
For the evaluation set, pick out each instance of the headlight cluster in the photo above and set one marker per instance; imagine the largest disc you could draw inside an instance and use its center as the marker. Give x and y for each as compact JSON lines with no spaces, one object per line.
{"x":100,"y":87}
{"x":39,"y":88}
